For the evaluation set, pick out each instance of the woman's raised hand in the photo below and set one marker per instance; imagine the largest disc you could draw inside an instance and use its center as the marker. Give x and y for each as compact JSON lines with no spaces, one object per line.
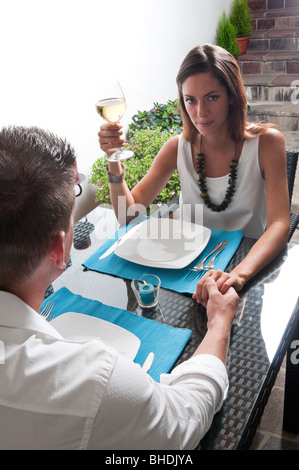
{"x":110,"y":137}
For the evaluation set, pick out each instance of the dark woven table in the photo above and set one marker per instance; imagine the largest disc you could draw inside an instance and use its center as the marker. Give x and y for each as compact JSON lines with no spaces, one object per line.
{"x":251,"y":372}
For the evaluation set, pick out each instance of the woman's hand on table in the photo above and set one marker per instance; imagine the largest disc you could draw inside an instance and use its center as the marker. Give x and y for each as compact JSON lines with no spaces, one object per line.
{"x":110,"y":137}
{"x":223,"y":282}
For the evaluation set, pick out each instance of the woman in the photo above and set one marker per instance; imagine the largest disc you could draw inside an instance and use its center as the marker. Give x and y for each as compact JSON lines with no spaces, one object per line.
{"x":235,"y":169}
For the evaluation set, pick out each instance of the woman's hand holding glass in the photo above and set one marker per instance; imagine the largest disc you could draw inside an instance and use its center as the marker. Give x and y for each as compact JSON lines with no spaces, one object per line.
{"x":111,"y":138}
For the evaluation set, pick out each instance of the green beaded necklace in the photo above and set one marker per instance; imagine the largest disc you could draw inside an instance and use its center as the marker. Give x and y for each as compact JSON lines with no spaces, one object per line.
{"x":203,"y":187}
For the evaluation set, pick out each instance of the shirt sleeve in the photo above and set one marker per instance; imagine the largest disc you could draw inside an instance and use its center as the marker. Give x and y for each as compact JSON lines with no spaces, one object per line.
{"x":138,"y":413}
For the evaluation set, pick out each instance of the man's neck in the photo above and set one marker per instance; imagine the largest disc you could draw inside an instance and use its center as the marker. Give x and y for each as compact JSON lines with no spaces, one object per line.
{"x":32,"y":290}
{"x":33,"y":298}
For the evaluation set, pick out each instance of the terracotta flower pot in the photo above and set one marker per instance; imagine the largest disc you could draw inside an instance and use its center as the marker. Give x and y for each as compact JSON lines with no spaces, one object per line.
{"x":243,"y":43}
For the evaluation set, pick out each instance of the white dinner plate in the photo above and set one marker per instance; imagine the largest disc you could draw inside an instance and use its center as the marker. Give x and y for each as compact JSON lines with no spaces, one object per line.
{"x":163,"y":243}
{"x":79,"y":327}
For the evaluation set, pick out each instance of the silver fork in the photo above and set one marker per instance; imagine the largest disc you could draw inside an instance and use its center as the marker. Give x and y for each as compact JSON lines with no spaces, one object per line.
{"x":210,"y":265}
{"x":200,"y":266}
{"x":46,"y":313}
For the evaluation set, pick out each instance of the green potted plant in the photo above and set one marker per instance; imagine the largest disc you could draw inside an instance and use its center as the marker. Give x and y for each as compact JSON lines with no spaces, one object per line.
{"x":226,"y":36}
{"x":240,"y":18}
{"x":165,"y":116}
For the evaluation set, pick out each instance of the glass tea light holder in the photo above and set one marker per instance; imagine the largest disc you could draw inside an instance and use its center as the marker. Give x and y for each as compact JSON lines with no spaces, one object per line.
{"x":146,"y":289}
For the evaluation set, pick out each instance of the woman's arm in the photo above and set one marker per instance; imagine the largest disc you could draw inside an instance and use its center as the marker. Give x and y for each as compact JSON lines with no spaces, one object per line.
{"x":272,"y":158}
{"x":128,"y":204}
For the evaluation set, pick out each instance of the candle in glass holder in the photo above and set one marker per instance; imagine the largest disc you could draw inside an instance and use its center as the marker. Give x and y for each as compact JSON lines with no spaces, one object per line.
{"x":146,"y":290}
{"x":147,"y":294}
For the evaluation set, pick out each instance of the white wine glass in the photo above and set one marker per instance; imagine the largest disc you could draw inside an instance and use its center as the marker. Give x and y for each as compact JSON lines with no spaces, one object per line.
{"x":111,"y":107}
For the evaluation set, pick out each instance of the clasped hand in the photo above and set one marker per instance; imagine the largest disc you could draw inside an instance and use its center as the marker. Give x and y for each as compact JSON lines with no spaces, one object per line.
{"x":220,"y":307}
{"x":223,"y":282}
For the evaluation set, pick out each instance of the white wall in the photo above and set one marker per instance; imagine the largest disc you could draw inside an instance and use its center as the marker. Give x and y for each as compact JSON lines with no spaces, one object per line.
{"x":54,"y":53}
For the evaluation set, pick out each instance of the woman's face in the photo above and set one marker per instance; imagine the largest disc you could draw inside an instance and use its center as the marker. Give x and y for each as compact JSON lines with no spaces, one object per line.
{"x":206,"y":102}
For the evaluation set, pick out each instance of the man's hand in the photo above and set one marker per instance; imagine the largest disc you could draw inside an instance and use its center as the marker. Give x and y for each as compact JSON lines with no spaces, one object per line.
{"x":220,"y":307}
{"x":221,"y":310}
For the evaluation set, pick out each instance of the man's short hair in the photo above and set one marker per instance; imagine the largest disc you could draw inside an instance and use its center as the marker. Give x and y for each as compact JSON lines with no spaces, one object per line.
{"x":37,"y":177}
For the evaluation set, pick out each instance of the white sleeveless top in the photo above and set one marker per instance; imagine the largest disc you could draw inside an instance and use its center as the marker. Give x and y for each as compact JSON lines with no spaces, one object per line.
{"x":246,"y":211}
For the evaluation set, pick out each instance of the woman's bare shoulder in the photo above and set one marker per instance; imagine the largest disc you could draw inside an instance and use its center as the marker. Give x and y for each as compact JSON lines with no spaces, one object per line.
{"x":172,"y":144}
{"x":272,"y":151}
{"x":272,"y":137}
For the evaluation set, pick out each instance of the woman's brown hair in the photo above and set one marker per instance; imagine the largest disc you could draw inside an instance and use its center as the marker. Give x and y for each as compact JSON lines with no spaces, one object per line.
{"x":224,"y":67}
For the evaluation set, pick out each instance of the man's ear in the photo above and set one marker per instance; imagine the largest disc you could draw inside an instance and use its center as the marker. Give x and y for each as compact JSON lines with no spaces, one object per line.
{"x":57,"y":250}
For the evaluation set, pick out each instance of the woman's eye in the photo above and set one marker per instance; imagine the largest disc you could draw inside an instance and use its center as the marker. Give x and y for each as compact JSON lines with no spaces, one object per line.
{"x":213,"y":98}
{"x":190,"y":100}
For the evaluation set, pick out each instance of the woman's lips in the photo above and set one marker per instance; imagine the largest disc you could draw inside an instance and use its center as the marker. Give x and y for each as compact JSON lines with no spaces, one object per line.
{"x":204,"y":125}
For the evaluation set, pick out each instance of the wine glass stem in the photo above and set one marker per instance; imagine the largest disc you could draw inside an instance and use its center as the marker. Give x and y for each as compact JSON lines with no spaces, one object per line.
{"x":115,"y":157}
{"x":118,"y":153}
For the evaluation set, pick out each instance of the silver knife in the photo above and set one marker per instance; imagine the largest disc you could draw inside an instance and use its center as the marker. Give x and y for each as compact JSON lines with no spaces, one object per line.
{"x":110,"y":250}
{"x":114,"y":246}
{"x":148,"y":362}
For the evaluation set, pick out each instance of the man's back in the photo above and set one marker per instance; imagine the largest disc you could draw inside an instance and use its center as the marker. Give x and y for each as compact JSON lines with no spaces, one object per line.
{"x":49,"y":391}
{"x":57,"y":394}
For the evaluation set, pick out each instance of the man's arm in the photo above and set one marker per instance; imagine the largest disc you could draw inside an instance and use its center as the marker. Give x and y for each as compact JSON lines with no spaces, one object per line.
{"x":221,"y":309}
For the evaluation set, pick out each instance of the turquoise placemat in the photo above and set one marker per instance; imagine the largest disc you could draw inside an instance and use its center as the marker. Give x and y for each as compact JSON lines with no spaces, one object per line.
{"x":177,"y":280}
{"x":166,"y":342}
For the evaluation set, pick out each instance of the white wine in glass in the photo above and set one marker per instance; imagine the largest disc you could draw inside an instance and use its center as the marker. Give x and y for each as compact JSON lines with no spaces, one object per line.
{"x":111,"y":107}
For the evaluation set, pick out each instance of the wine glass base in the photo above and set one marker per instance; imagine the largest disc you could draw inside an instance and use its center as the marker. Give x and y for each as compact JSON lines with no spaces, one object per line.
{"x":120,"y":155}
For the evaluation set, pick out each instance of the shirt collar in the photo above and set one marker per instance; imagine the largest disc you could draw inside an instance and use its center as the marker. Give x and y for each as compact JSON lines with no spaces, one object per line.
{"x":15,"y":313}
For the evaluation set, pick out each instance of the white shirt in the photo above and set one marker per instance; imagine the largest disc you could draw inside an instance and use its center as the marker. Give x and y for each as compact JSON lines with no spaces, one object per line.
{"x":58,"y":394}
{"x":246,"y":211}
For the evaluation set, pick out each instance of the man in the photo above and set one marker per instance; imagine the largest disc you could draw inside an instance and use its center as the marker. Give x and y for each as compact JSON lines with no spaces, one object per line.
{"x":56,"y":394}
